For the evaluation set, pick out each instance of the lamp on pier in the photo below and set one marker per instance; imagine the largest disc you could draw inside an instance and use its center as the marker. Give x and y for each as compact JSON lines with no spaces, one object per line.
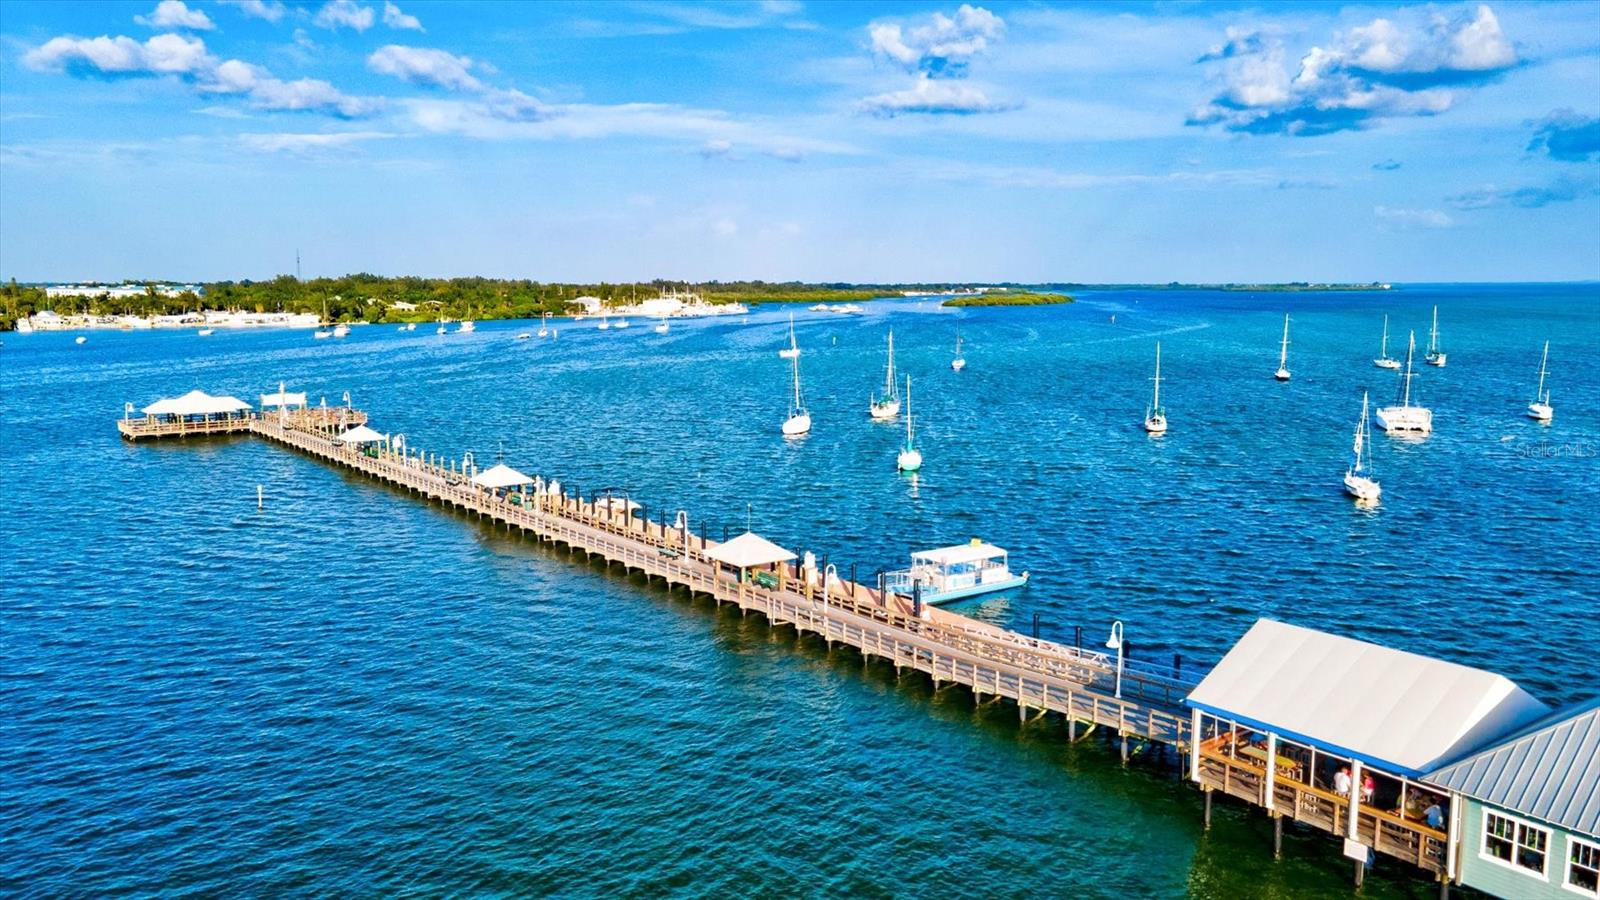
{"x":1115,"y":643}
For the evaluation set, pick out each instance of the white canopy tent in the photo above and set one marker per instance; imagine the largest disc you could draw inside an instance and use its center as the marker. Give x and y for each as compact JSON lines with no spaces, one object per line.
{"x":748,"y":551}
{"x":196,"y":403}
{"x":282,"y":398}
{"x":1401,"y":711}
{"x":360,"y":434}
{"x":501,"y":476}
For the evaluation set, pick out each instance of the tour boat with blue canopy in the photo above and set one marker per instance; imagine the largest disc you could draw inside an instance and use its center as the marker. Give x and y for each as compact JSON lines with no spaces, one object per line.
{"x":954,"y":573}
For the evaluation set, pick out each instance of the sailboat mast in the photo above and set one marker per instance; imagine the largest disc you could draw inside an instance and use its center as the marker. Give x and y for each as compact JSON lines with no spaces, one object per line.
{"x":1411,"y":349}
{"x":888,"y":381}
{"x":1385,"y":351}
{"x":795,"y":361}
{"x":1539,"y":395}
{"x":1433,"y":337}
{"x":1155,"y":403}
{"x":1361,"y":431}
{"x":908,"y":412}
{"x":1283,"y":354}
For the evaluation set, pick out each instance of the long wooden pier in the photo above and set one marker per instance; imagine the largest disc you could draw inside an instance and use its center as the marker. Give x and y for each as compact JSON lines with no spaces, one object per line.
{"x":1039,"y":676}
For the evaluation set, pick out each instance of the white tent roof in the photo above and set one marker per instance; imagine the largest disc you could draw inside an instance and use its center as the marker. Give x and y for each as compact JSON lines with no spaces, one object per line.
{"x":282,"y":399}
{"x":360,"y":434}
{"x":1400,"y":711}
{"x":749,"y":550}
{"x":960,"y":553}
{"x":501,"y":476}
{"x":196,"y":403}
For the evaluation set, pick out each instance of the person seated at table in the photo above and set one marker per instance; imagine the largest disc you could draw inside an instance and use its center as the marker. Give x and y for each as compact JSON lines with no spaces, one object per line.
{"x":1434,"y":815}
{"x":1368,"y":788}
{"x":1341,"y":782}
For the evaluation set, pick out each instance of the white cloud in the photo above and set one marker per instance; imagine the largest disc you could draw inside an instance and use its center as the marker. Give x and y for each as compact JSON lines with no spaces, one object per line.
{"x":394,"y":18}
{"x":268,"y":10}
{"x":174,"y":14}
{"x":717,"y":148}
{"x":942,"y":46}
{"x":269,"y":93}
{"x":1388,"y":68}
{"x":1419,"y":218}
{"x":344,"y":14}
{"x":164,"y":54}
{"x":933,"y":96}
{"x":290,"y":142}
{"x":422,"y":65}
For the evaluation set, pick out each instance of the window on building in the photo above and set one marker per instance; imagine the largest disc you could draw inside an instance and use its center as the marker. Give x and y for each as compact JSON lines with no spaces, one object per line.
{"x":1583,"y":867}
{"x":1515,"y":843}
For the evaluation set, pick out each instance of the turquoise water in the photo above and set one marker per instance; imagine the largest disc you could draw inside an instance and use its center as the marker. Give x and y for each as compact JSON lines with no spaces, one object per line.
{"x":350,"y":692}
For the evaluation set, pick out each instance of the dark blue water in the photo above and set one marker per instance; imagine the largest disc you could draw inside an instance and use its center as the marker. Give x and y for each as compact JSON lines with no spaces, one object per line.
{"x":350,"y":692}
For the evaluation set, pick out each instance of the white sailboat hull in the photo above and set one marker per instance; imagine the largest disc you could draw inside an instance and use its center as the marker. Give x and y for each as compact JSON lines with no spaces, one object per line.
{"x":886,"y":410}
{"x":1406,"y":419}
{"x":1386,"y":363}
{"x":794,"y":426}
{"x":1281,"y":374}
{"x":958,"y":364}
{"x":1438,"y":359}
{"x":908,"y":461}
{"x":1361,"y":487}
{"x":1541,"y":412}
{"x":1156,"y":424}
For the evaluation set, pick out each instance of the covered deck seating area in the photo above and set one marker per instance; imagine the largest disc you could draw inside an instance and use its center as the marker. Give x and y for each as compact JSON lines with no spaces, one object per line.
{"x":753,"y":558}
{"x":194,"y":413}
{"x":1336,"y":733}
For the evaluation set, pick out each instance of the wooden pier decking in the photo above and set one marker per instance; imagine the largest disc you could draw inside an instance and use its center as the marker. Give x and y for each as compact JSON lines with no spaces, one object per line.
{"x":1039,"y":676}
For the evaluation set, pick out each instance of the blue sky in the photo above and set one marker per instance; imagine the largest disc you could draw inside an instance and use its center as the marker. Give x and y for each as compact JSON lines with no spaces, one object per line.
{"x":788,"y":140}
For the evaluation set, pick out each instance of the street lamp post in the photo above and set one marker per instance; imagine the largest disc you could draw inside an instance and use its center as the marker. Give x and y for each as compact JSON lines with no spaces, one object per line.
{"x":1115,"y":643}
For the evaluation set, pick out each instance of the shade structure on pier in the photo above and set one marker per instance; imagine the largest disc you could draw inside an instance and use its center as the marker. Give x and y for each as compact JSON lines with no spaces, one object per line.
{"x":1404,"y":712}
{"x":360,"y":434}
{"x":501,"y":476}
{"x":282,"y":398}
{"x":748,"y":551}
{"x":196,"y":403}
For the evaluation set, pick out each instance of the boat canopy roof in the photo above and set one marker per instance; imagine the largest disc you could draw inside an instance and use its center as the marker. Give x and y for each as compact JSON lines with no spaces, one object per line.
{"x":360,"y":434}
{"x":958,"y":554}
{"x":500,"y":476}
{"x":749,"y":550}
{"x":196,"y":403}
{"x":1400,"y":711}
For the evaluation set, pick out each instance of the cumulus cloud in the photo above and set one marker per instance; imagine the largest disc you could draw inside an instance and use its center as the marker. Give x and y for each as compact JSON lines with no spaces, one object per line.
{"x":1562,"y":190}
{"x":307,"y":143}
{"x":1412,"y":218}
{"x":944,"y":46}
{"x":174,"y":14}
{"x":422,"y":65}
{"x":394,"y":18}
{"x":1567,"y":136}
{"x":344,"y":14}
{"x":932,"y":95}
{"x":187,"y":59}
{"x":1409,"y":66}
{"x":268,"y":10}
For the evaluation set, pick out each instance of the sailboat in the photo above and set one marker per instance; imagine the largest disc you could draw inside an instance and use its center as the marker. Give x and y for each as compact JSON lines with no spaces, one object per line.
{"x":441,"y":325}
{"x":799,"y":421}
{"x":322,"y":325}
{"x":886,"y":408}
{"x":1155,"y":418}
{"x":1540,"y":409}
{"x":1359,"y":485}
{"x":909,"y":459}
{"x":411,"y":326}
{"x":960,"y":362}
{"x":793,"y":350}
{"x":341,"y":330}
{"x":206,"y":332}
{"x":1283,"y":354}
{"x":1435,"y":356}
{"x":605,"y":323}
{"x":620,"y":323}
{"x":544,"y":325}
{"x":1405,"y":418}
{"x":1384,"y":360}
{"x":662,"y":327}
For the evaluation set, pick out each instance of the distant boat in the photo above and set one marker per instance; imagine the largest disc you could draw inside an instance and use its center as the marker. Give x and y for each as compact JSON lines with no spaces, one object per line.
{"x":401,"y":328}
{"x":620,"y":323}
{"x":909,"y":459}
{"x":960,"y":362}
{"x":1358,"y":484}
{"x":1283,"y":354}
{"x":605,"y":323}
{"x":442,"y":329}
{"x":1405,"y":418}
{"x":1155,"y":417}
{"x":853,"y":309}
{"x":206,"y":332}
{"x":662,"y":327}
{"x":1384,"y":360}
{"x":793,"y":350}
{"x":948,"y":574}
{"x":1435,"y":356}
{"x":820,"y":307}
{"x":524,"y":336}
{"x":81,"y":340}
{"x":341,"y":330}
{"x":544,"y":325}
{"x":321,"y":333}
{"x":799,"y":421}
{"x":1540,"y":409}
{"x":887,"y":407}
{"x":411,"y":326}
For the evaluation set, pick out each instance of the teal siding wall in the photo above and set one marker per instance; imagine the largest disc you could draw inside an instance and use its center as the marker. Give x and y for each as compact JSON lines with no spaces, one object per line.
{"x":1494,"y":878}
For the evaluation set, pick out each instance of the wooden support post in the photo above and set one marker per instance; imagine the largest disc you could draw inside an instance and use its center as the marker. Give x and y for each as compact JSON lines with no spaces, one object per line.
{"x":1072,"y":728}
{"x":1207,"y":792}
{"x":1277,"y":836}
{"x":1124,"y":748}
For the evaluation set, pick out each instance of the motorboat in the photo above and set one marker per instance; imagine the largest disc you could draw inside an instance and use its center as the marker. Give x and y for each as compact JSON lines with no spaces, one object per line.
{"x":948,"y":574}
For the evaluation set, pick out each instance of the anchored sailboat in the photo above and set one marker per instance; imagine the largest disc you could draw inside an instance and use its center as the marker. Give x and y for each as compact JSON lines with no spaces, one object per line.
{"x":1405,"y":418}
{"x":799,"y":421}
{"x":910,"y":459}
{"x":1540,"y":409}
{"x":544,"y":325}
{"x":1358,"y":484}
{"x":1283,"y":354}
{"x":1155,"y":418}
{"x":1435,"y":356}
{"x":793,"y":350}
{"x":960,"y":362}
{"x":888,"y":406}
{"x":1384,"y":360}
